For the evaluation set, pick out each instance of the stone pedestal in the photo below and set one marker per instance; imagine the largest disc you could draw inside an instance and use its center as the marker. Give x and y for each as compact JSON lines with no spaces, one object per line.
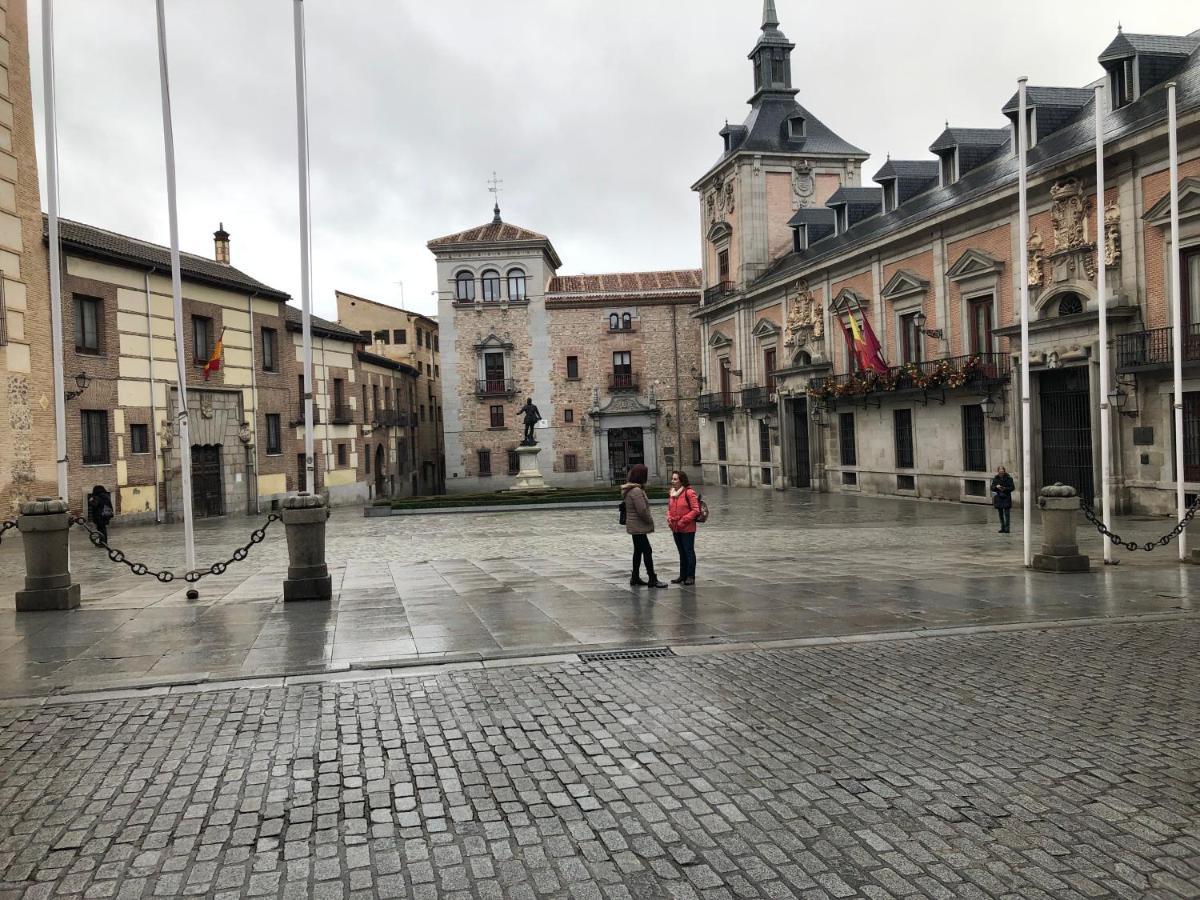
{"x":1060,"y":549}
{"x":44,"y":525}
{"x":529,"y":476}
{"x":304,"y":517}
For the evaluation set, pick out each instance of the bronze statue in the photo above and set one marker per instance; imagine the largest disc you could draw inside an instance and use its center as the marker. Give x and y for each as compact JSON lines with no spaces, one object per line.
{"x":532,"y":417}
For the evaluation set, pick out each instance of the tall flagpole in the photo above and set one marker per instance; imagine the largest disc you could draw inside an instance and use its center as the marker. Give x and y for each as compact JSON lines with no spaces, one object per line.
{"x":1023,"y":233}
{"x":1176,"y":310}
{"x":56,"y":343}
{"x":305,"y":243}
{"x":185,"y":438}
{"x":1102,"y":292}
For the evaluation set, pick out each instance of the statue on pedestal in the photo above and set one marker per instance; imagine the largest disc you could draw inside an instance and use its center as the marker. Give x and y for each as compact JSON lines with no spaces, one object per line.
{"x":532,"y":417}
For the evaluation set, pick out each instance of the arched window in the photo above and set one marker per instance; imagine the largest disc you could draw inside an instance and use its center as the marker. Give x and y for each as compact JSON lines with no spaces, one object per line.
{"x":626,"y":321}
{"x":1070,"y":304}
{"x":614,"y":321}
{"x":491,"y":285}
{"x":516,"y":284}
{"x":464,"y":286}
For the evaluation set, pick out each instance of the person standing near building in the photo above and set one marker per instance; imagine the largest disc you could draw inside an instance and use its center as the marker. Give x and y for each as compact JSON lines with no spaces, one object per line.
{"x":640,"y":524}
{"x":100,"y":509}
{"x":1002,"y":491}
{"x":683,"y":511}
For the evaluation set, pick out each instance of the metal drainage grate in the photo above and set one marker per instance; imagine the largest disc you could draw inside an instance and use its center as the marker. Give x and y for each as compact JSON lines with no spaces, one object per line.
{"x":645,"y":653}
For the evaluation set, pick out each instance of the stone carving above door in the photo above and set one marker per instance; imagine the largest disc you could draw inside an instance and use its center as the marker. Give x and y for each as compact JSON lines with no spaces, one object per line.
{"x":1074,"y":253}
{"x":804,"y":186}
{"x":1036,"y":275}
{"x":1112,"y":234}
{"x":806,"y":318}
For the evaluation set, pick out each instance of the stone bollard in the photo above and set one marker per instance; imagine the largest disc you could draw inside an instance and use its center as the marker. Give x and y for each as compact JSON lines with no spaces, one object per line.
{"x":44,"y":525}
{"x":304,"y":517}
{"x":1060,"y":549}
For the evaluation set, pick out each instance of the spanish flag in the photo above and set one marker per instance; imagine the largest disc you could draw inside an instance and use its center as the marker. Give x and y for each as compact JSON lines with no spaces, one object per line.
{"x":214,"y":361}
{"x":867,"y":349}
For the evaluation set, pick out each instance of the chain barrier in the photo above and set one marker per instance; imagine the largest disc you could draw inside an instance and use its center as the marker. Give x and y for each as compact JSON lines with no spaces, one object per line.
{"x":257,"y":536}
{"x":1090,"y":515}
{"x":5,"y":525}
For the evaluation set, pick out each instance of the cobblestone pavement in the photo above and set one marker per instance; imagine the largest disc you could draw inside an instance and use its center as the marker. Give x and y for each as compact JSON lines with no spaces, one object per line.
{"x":1058,"y":763}
{"x":771,"y":565}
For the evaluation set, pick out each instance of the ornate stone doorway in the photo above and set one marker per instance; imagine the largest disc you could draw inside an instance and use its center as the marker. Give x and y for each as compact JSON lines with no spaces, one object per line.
{"x":625,"y":450}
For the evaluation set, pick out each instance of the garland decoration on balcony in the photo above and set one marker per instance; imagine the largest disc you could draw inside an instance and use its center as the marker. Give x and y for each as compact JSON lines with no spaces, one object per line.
{"x":945,"y":373}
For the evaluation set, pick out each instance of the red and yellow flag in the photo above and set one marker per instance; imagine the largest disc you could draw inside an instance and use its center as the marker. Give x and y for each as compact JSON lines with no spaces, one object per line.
{"x":214,"y":361}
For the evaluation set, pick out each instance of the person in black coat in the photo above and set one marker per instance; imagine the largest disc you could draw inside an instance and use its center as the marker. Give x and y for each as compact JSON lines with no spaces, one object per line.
{"x":100,"y":509}
{"x":1002,"y":491}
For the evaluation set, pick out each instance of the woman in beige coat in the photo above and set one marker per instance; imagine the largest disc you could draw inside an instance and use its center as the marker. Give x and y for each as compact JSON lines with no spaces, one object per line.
{"x":640,"y":524}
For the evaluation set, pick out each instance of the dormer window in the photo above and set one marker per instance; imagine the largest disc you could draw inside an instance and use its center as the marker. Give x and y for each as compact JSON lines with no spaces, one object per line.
{"x":890,"y":190}
{"x":800,"y":238}
{"x":949,"y":171}
{"x":1121,"y":82}
{"x":796,"y":128}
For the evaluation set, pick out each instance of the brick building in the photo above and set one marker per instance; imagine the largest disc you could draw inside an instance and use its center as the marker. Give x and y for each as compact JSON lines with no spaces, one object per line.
{"x":930,"y":259}
{"x":611,"y":361}
{"x":27,"y":463}
{"x":246,"y":419}
{"x":410,"y":338}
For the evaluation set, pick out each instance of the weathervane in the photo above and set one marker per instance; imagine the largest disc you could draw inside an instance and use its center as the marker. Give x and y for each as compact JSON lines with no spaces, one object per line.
{"x":494,"y":186}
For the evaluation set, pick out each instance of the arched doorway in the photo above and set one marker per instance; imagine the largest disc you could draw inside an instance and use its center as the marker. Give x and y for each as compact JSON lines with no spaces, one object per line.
{"x":380,"y":475}
{"x":208,"y":491}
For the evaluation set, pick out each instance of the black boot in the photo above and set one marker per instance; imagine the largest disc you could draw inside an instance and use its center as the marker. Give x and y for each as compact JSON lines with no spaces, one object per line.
{"x":633,"y":579}
{"x":653,"y":581}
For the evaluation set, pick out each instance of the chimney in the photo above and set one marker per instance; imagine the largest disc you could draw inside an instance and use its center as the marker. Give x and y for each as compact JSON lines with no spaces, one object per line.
{"x":221,"y":244}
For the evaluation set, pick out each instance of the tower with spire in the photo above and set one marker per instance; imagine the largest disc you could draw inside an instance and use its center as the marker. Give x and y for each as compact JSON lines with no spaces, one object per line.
{"x":781,"y":163}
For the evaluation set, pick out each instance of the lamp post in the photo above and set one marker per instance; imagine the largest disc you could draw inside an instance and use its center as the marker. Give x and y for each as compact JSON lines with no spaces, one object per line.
{"x":919,"y":320}
{"x":83,"y":382}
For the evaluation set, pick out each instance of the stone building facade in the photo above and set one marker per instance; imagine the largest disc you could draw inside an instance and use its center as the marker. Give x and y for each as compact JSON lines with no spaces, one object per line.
{"x":930,"y":260}
{"x":610,"y":361}
{"x":413,"y":339}
{"x":27,"y":463}
{"x":246,"y":418}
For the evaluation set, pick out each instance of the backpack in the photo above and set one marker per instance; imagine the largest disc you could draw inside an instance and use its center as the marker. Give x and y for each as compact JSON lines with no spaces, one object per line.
{"x":106,"y":510}
{"x":621,"y":513}
{"x":703,"y":517}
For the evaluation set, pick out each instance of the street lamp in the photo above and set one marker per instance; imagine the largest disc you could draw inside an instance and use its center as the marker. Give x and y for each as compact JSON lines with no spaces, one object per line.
{"x":919,"y":320}
{"x":1117,"y":398}
{"x":82,"y":381}
{"x":818,"y":415}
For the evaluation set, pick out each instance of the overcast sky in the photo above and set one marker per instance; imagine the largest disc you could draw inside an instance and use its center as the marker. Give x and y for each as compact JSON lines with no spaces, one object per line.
{"x":596,"y":115}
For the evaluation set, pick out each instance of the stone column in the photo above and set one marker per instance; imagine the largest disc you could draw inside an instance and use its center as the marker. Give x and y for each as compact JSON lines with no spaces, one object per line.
{"x":44,"y":525}
{"x":304,"y":517}
{"x":1060,"y":550}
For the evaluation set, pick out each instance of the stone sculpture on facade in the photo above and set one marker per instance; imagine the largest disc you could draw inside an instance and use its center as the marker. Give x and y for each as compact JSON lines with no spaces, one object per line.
{"x":806,"y":318}
{"x":532,"y":417}
{"x":803,"y":186}
{"x":1036,"y":276}
{"x":1072,"y":248}
{"x":1112,"y":234}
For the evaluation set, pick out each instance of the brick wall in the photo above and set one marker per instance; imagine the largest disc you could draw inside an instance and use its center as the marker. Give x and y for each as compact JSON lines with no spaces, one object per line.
{"x":921,"y":265}
{"x":996,"y":243}
{"x":1155,"y":186}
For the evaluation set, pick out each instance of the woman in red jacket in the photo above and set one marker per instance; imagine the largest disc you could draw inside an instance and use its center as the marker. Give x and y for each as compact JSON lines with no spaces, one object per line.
{"x":683,"y":508}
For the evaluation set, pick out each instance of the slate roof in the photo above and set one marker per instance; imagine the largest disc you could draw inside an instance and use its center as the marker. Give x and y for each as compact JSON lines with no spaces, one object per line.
{"x":1060,"y":97}
{"x":923,"y":169}
{"x":322,"y":327}
{"x":680,"y":283}
{"x":856,"y":196}
{"x":813,"y":215}
{"x":120,"y":248}
{"x":1151,"y":44}
{"x":969,"y":137}
{"x":998,"y":175}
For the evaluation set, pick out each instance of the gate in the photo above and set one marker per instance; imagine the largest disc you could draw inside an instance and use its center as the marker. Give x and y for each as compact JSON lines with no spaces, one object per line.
{"x":1066,"y":428}
{"x":625,"y":450}
{"x":1191,"y":435}
{"x":208,"y":494}
{"x":802,"y":476}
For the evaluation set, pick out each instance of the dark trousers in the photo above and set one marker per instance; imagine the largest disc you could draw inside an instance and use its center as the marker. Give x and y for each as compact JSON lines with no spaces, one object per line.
{"x":1005,"y":516}
{"x":642,"y":549}
{"x":685,"y":543}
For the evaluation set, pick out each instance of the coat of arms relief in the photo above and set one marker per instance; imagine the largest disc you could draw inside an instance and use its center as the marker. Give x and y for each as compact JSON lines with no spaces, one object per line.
{"x":1075,"y":252}
{"x":806,"y":318}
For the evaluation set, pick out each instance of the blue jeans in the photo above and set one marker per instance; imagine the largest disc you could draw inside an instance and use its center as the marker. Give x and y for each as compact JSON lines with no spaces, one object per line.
{"x":1005,"y":514}
{"x":685,"y":543}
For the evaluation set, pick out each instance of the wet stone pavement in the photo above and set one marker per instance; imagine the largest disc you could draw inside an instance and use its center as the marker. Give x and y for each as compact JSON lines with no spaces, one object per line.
{"x":481,"y":586}
{"x":1056,"y":763}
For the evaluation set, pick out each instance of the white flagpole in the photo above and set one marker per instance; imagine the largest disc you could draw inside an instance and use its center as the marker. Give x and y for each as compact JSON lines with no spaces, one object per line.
{"x":185,"y":440}
{"x":56,"y":326}
{"x":1176,"y":310}
{"x":305,"y":243}
{"x":1102,"y":291}
{"x":1023,"y":232}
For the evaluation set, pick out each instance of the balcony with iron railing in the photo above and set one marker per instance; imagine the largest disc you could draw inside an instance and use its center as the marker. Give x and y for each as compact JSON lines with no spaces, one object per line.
{"x":755,"y":397}
{"x":1154,"y":348}
{"x":299,"y":420}
{"x":719,"y":291}
{"x":341,"y":414}
{"x":495,"y":387}
{"x":976,"y":370}
{"x":715,"y":404}
{"x":622,"y":381}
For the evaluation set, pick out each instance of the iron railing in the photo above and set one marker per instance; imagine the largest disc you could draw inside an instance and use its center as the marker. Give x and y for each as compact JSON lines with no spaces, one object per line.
{"x":719,"y":290}
{"x":1155,"y":348}
{"x":715,"y":403}
{"x":955,"y":371}
{"x":622,"y":381}
{"x":341,"y":415}
{"x":755,"y":397}
{"x":495,"y":387}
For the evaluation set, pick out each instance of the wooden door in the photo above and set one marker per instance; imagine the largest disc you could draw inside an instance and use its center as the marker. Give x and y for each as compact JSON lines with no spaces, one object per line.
{"x":208,"y":493}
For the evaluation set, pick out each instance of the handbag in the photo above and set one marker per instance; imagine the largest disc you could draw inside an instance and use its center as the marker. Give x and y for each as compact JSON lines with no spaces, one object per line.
{"x":621,"y":513}
{"x":703,"y":517}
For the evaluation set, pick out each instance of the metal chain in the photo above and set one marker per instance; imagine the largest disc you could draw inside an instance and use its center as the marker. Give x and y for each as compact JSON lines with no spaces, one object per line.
{"x":1163,"y":541}
{"x":5,"y":525}
{"x":257,"y":536}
